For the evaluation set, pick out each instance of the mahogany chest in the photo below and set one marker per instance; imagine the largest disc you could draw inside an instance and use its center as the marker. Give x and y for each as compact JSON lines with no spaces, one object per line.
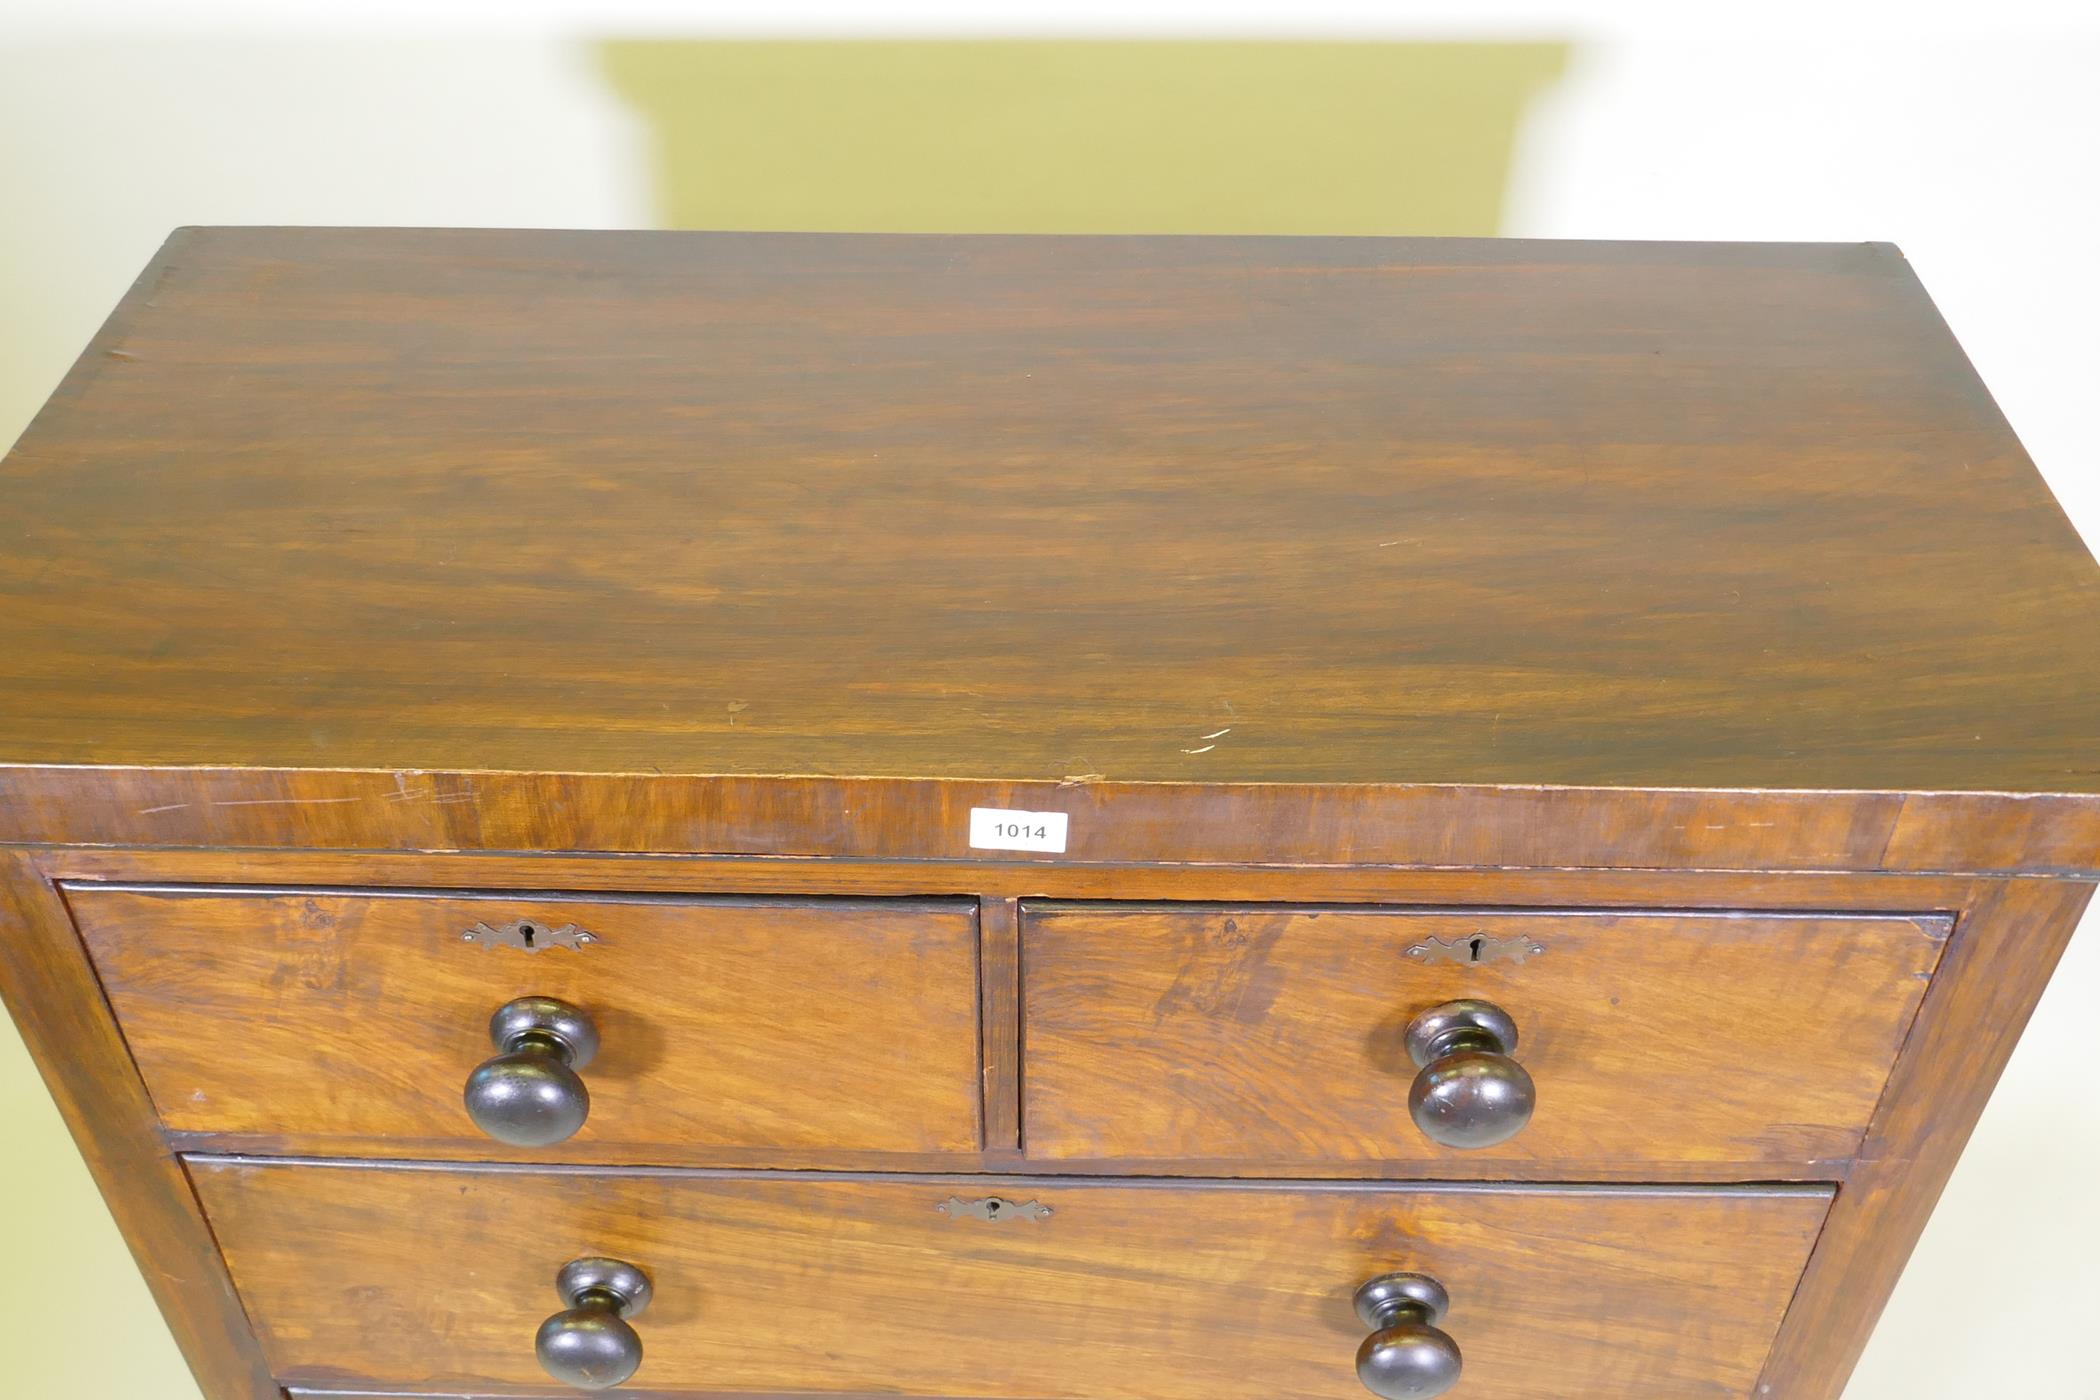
{"x":1030,"y":818}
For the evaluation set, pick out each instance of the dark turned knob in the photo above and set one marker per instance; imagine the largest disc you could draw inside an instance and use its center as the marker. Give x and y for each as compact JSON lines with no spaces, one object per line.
{"x":1470,"y":1093}
{"x":1406,"y":1357}
{"x":591,"y":1346}
{"x":530,"y":1094}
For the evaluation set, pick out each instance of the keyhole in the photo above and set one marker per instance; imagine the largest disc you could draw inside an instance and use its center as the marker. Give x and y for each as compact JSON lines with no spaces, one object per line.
{"x":991,"y":1207}
{"x":525,"y":932}
{"x":1476,"y":944}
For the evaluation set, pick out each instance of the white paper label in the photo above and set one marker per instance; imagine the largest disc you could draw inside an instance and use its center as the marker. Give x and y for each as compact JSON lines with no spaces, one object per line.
{"x":999,"y":829}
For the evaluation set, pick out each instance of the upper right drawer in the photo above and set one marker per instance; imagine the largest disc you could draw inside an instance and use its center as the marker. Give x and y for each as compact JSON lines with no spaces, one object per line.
{"x":1519,"y":1043}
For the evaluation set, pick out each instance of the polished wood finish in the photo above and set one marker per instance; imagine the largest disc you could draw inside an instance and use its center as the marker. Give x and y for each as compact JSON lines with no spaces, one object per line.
{"x":1128,"y":1291}
{"x":316,"y":1015}
{"x":1548,"y":889}
{"x":2003,"y":952}
{"x":1277,"y":1035}
{"x":1695,"y":597}
{"x":1277,"y":883}
{"x":1111,"y":823}
{"x":2022,"y":922}
{"x":1388,"y":511}
{"x":999,"y":974}
{"x":50,"y":988}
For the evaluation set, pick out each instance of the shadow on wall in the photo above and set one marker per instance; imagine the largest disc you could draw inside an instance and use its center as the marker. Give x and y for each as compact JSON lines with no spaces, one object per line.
{"x":1014,"y":137}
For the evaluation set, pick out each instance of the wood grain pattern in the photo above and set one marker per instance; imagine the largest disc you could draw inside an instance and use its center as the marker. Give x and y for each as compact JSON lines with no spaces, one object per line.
{"x":840,"y":1024}
{"x":1999,"y":960}
{"x":1010,"y":1161}
{"x":999,"y":973}
{"x":1367,"y":511}
{"x":50,"y":989}
{"x":1154,"y":1291}
{"x":1278,"y":883}
{"x":762,"y":875}
{"x":1112,"y":823}
{"x":682,"y":578}
{"x":1277,"y":1035}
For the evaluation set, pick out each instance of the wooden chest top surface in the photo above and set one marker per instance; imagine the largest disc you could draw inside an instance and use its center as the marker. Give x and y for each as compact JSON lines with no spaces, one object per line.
{"x":1221,"y":510}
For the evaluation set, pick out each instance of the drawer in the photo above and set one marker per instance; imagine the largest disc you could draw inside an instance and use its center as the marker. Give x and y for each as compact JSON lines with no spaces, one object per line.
{"x":351,"y":1021}
{"x":1749,"y":1042}
{"x":435,"y":1279}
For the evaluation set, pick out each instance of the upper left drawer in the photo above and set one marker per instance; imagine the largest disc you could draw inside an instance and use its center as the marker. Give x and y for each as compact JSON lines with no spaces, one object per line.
{"x":351,"y":1020}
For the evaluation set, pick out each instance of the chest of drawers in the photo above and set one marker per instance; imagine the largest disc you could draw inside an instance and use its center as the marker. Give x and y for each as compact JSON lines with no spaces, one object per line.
{"x":1030,"y":818}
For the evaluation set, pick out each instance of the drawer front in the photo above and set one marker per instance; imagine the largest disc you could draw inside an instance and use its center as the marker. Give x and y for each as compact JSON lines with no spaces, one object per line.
{"x":318,"y":1018}
{"x":1280,"y":1036}
{"x":435,"y":1279}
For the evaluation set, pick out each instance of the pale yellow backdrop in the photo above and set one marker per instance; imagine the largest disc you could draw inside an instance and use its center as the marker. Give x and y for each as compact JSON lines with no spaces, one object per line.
{"x":1082,"y":137}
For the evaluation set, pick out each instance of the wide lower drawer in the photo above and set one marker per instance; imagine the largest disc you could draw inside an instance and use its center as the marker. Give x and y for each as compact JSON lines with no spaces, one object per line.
{"x":1281,"y":1036}
{"x":315,"y":1018}
{"x":435,"y":1279}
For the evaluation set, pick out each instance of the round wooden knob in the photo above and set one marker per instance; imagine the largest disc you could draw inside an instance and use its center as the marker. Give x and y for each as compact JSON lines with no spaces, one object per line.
{"x":530,"y":1095}
{"x":1406,"y":1357}
{"x":1470,"y":1093}
{"x":591,"y":1346}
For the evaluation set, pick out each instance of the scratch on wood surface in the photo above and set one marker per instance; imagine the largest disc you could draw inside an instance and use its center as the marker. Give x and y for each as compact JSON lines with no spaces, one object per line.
{"x":1219,"y":734}
{"x":1205,"y":749}
{"x":171,"y":807}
